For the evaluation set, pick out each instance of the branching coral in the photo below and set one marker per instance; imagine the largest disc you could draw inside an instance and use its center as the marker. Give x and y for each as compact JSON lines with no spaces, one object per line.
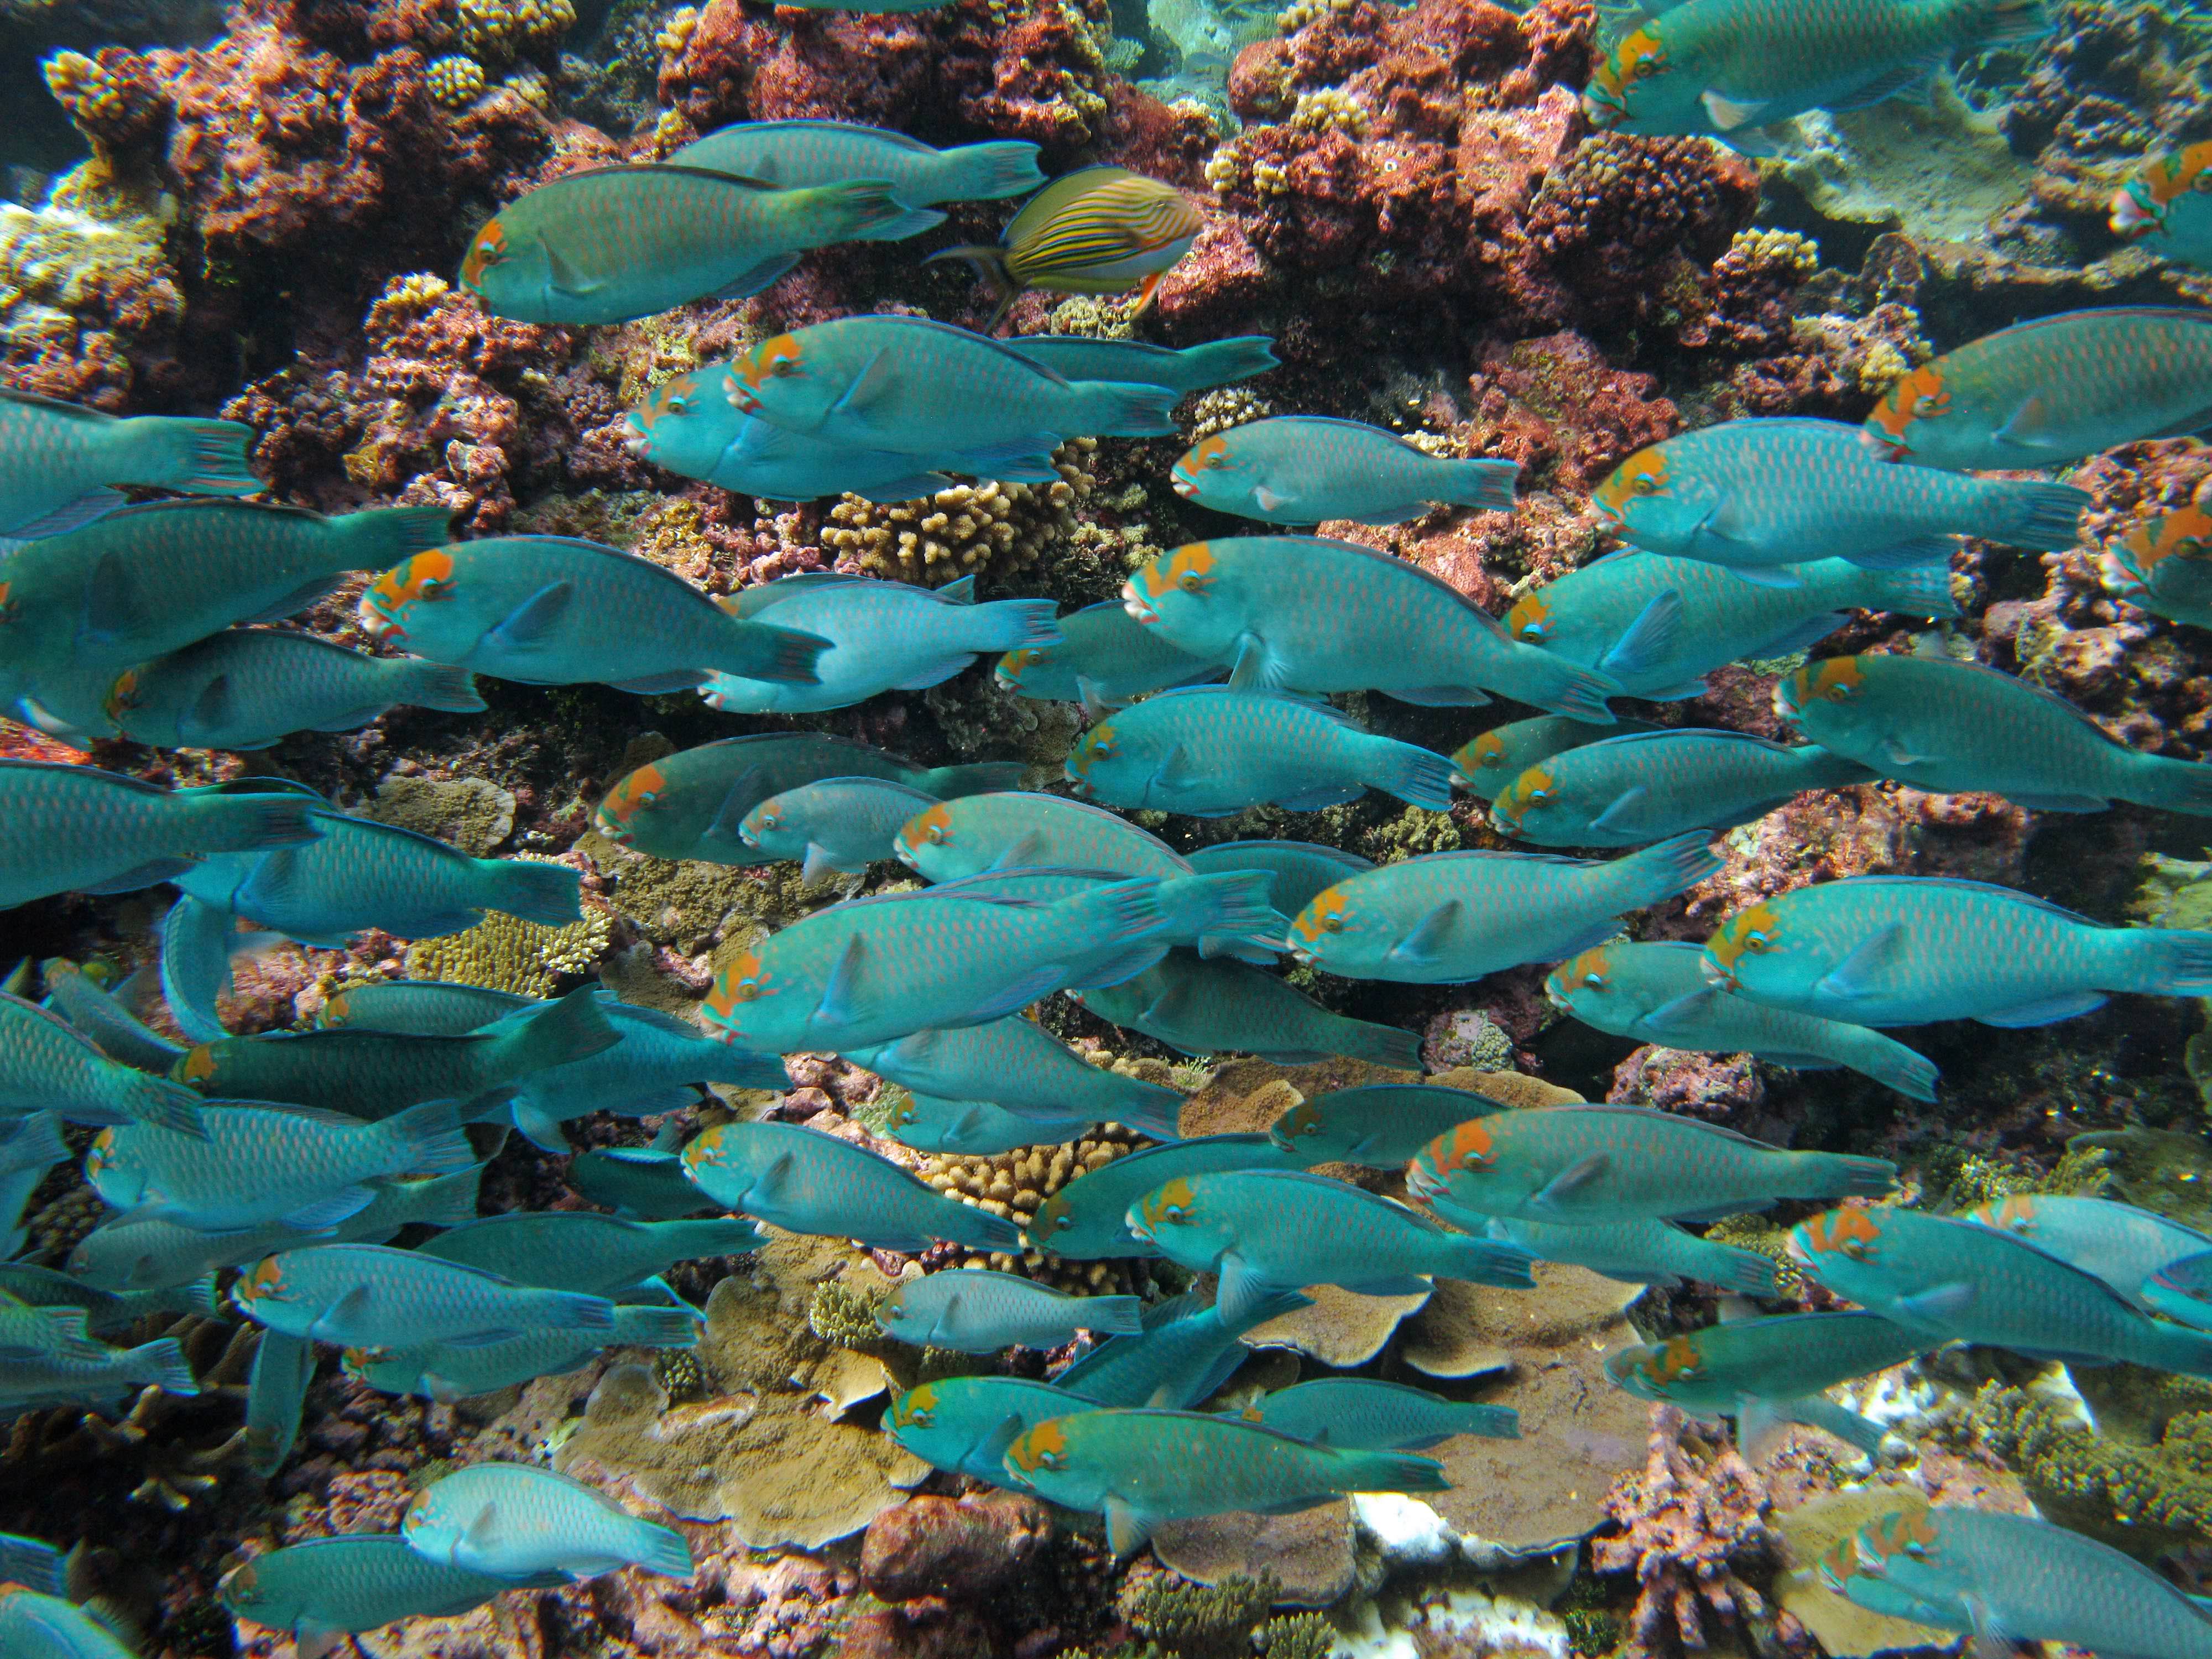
{"x":110,"y":98}
{"x":497,"y":30}
{"x":2144,"y":1497}
{"x":1015,"y":1185}
{"x":965,"y":530}
{"x":1198,"y":1621}
{"x":506,"y":953}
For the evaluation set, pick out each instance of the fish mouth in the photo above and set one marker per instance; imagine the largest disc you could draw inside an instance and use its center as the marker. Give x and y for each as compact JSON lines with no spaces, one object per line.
{"x":637,"y":443}
{"x":1139,"y":607}
{"x":1887,"y":449}
{"x":1717,"y":975}
{"x":378,"y":626}
{"x":2130,"y":218}
{"x":1303,"y":956}
{"x":1601,"y":111}
{"x":1184,"y":488}
{"x":1421,"y":1184}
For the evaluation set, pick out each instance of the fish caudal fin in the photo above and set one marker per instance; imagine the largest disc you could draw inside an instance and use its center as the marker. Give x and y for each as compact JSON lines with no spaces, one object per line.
{"x":984,"y":172}
{"x":979,"y":1230}
{"x":571,"y":1029}
{"x":657,"y":1327}
{"x":1838,"y":1174}
{"x":542,"y":893}
{"x":30,"y":1563}
{"x":427,"y":1139}
{"x":2000,"y":20}
{"x":1917,"y":590}
{"x":1550,"y":681}
{"x":1016,"y":625}
{"x":1388,"y":1472}
{"x":568,"y":1310}
{"x":161,"y":1365}
{"x":2165,"y":962}
{"x":979,"y":778}
{"x":195,"y":966}
{"x":2179,"y":786}
{"x":1114,"y":1315}
{"x":1227,"y":909}
{"x":1147,"y":1108}
{"x":1217,"y":363}
{"x":1380,"y":1045}
{"x":1124,"y":409}
{"x":438,"y":685}
{"x":253,"y":823}
{"x":768,"y":653}
{"x":1483,"y":1261}
{"x":1730,"y":1267}
{"x":1666,"y":868}
{"x":1487,"y":485}
{"x":1420,"y":777}
{"x":2043,"y":516}
{"x":662,"y":1549}
{"x":449,"y":1200}
{"x":1891,"y":1064}
{"x":381,"y":537}
{"x":167,"y":1105}
{"x":199,"y":458}
{"x":862,"y":210}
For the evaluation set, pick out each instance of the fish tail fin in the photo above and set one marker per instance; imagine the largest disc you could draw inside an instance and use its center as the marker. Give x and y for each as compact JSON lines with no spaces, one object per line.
{"x":196,"y":1296}
{"x":1381,"y":1045}
{"x":1485,"y":1261}
{"x":1483,"y":484}
{"x":570,"y":1311}
{"x":1841,"y":1174}
{"x":1892,"y":1064}
{"x":199,"y":458}
{"x":1228,"y":910}
{"x":979,"y":1230}
{"x":984,"y":172}
{"x":862,"y":210}
{"x":662,"y":1549}
{"x":253,"y":823}
{"x":542,"y":893}
{"x":1996,"y":21}
{"x":449,"y":1200}
{"x":439,"y":685}
{"x":427,"y":1139}
{"x":1119,"y":1315}
{"x":161,"y":1365}
{"x":195,"y":966}
{"x":1550,"y":681}
{"x":2183,"y":1350}
{"x":571,"y":1029}
{"x":1419,"y":776}
{"x":1731,"y":1267}
{"x":1013,"y":624}
{"x":978,"y":778}
{"x":381,"y":537}
{"x":1126,"y":409}
{"x":1217,"y":363}
{"x":1922,"y":590}
{"x":791,"y":654}
{"x":2166,"y":962}
{"x":38,"y":1142}
{"x":2179,"y":786}
{"x":167,"y":1105}
{"x":656,"y":1327}
{"x":1666,"y":868}
{"x":990,"y":264}
{"x":34,"y":1565}
{"x":1151,"y":1111}
{"x":1389,"y":1472}
{"x":2043,"y":516}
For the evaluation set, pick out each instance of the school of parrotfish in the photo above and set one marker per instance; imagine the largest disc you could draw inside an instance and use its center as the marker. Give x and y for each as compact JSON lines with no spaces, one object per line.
{"x":267,"y":1174}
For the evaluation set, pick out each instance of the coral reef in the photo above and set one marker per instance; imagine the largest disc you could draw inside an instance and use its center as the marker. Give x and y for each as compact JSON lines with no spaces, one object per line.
{"x":2145,"y":1498}
{"x":1015,"y":1185}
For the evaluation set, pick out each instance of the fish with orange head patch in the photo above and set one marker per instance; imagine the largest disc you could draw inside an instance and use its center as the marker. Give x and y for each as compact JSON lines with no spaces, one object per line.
{"x":2165,"y":209}
{"x":387,"y":603}
{"x":2164,"y":565}
{"x":1489,"y":763}
{"x":49,"y":1066}
{"x":960,"y":1424}
{"x":840,"y":825}
{"x":1381,"y":1126}
{"x":2118,"y":1243}
{"x":1302,"y":468}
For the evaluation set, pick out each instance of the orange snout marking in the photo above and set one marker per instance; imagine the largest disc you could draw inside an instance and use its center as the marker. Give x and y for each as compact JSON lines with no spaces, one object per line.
{"x":781,"y":355}
{"x":1325,"y":913}
{"x":1917,"y":396}
{"x":122,"y":696}
{"x":1749,"y":932}
{"x":1591,"y":968}
{"x":427,"y":577}
{"x":1851,"y":1231}
{"x":1465,"y":1145}
{"x":638,"y":790}
{"x":932,"y":827}
{"x":743,"y":981}
{"x":1644,"y":473}
{"x":198,"y":1065}
{"x":1173,"y":1202}
{"x":672,"y":397}
{"x":1530,"y":618}
{"x":1040,"y":1446}
{"x":2184,"y":533}
{"x":1835,"y":680}
{"x":1097,"y":744}
{"x":267,"y":1278}
{"x":489,"y":249}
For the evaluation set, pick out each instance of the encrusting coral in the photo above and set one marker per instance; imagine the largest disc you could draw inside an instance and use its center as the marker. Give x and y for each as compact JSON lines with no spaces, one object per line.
{"x":506,"y":953}
{"x":965,"y":530}
{"x":2141,"y":1498}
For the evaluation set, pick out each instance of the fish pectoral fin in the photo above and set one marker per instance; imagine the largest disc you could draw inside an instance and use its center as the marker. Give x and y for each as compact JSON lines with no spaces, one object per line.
{"x":1128,"y":1529}
{"x":327,"y":1212}
{"x":875,"y":378}
{"x":1894,"y":753}
{"x":1242,"y":1291}
{"x":1268,"y":499}
{"x":1021,"y":853}
{"x":819,"y":862}
{"x":1855,"y":975}
{"x":1938,"y":1303}
{"x":1816,"y":1412}
{"x":540,"y":1129}
{"x":311,"y":1641}
{"x":742,"y":796}
{"x":1175,"y":770}
{"x":993,"y":1445}
{"x":537,"y":616}
{"x":1649,"y":640}
{"x":2023,"y":428}
{"x":840,"y":994}
{"x":1577,"y":1177}
{"x":566,"y":277}
{"x":754,"y":278}
{"x":212,"y":711}
{"x":353,"y":1304}
{"x":1255,"y":667}
{"x":1038,"y":983}
{"x":1426,"y":942}
{"x":1760,"y":1425}
{"x":771,"y":1187}
{"x":482,"y":1338}
{"x":2048,"y":1011}
{"x":69,"y":515}
{"x":484,"y":1533}
{"x":1771,"y":575}
{"x":1729,"y":113}
{"x":1619,"y":814}
{"x":1683,"y":1010}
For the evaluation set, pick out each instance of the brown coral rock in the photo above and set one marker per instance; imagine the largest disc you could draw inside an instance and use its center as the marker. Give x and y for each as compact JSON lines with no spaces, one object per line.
{"x":961,"y":1548}
{"x":1309,"y":1553}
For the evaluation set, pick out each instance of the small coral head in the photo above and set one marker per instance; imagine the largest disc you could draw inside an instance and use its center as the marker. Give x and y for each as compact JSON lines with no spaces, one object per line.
{"x":424,"y":578}
{"x":1852,"y":1231}
{"x":1644,"y":473}
{"x":1325,"y":913}
{"x":488,"y":250}
{"x":1917,"y":396}
{"x":1042,"y":1446}
{"x":1638,"y":57}
{"x":1207,"y":455}
{"x":1749,"y":932}
{"x":1534,"y":787}
{"x":635,"y":793}
{"x":931,"y":827}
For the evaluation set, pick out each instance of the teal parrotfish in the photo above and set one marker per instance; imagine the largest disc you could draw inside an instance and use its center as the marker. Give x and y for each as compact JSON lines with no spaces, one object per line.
{"x":98,"y":1381}
{"x":882,"y":636}
{"x":1911,"y":951}
{"x":1185,"y":1353}
{"x":1768,"y":1372}
{"x":2166,"y":207}
{"x":1486,"y":764}
{"x":908,"y":384}
{"x":47,"y":1065}
{"x":1208,"y":752}
{"x":1193,"y":369}
{"x":1640,"y":1250}
{"x":608,"y":244}
{"x":637,"y":1182}
{"x":1627,"y":791}
{"x":965,"y":1423}
{"x":277,"y":1399}
{"x":1142,"y":1467}
{"x":445,"y":1372}
{"x":30,"y":1145}
{"x":419,"y":1007}
{"x":518,"y":1521}
{"x":1359,"y":1413}
{"x":1948,"y":726}
{"x":1381,"y":1125}
{"x":1015,"y":1064}
{"x":2164,"y":564}
{"x":371,"y":1295}
{"x":105,"y":1015}
{"x":1210,"y":1006}
{"x":1087,"y":1219}
{"x":971,"y":1311}
{"x":64,"y":463}
{"x":1302,"y":468}
{"x":1759,"y":496}
{"x":1265,"y":1231}
{"x":32,"y":1564}
{"x":692,"y":804}
{"x":579,"y":1250}
{"x":1103,"y":659}
{"x":2046,"y":392}
{"x":1098,"y":230}
{"x":44,"y":1624}
{"x":1296,"y":869}
{"x":840,"y":825}
{"x":1568,"y":1163}
{"x":1304,"y":613}
{"x":1658,"y":992}
{"x":1658,"y":625}
{"x":557,"y":611}
{"x":76,"y":827}
{"x":2118,"y":1243}
{"x":806,"y":1181}
{"x":976,"y":1127}
{"x":802,"y":154}
{"x":1450,"y":918}
{"x":1954,"y":1280}
{"x":329,"y":1587}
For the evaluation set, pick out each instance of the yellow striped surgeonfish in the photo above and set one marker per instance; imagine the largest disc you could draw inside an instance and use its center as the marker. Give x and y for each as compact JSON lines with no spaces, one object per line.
{"x":1101,"y":230}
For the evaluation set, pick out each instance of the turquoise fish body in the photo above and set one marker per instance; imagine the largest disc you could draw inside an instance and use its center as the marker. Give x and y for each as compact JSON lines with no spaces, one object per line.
{"x":800,"y":154}
{"x":1198,"y":1006}
{"x":370,"y":1296}
{"x":46,"y":1065}
{"x":1011,"y":829}
{"x":2118,"y":1243}
{"x":1193,"y":369}
{"x":445,"y":1372}
{"x":1359,"y":1414}
{"x":518,"y":1521}
{"x":840,"y":825}
{"x":37,"y":1624}
{"x":964,"y":1425}
{"x":637,"y":1184}
{"x":1016,"y":1065}
{"x":578,"y":1251}
{"x":1486,"y":764}
{"x":1639,"y":1250}
{"x":64,"y":462}
{"x":1628,"y":791}
{"x":1302,"y":468}
{"x":2165,"y":209}
{"x":327,"y":1588}
{"x":1087,"y":1219}
{"x":1296,"y":869}
{"x":100,"y":1382}
{"x":978,"y":1128}
{"x":1186,"y":1353}
{"x":972,"y":1311}
{"x":1103,"y":659}
{"x":104,"y":1310}
{"x":1381,"y":1125}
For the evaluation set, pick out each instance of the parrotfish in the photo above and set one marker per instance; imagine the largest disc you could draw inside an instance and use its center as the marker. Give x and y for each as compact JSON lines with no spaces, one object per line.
{"x":802,"y":154}
{"x":419,"y":1007}
{"x":28,"y":1331}
{"x":103,"y":1016}
{"x":1104,"y":658}
{"x":806,"y":1181}
{"x":976,"y":1127}
{"x":1296,"y":869}
{"x":1211,"y":753}
{"x":1016,"y":1065}
{"x":32,"y":1564}
{"x":1098,"y":230}
{"x":1381,"y":1125}
{"x":1759,"y":495}
{"x":1087,"y":1219}
{"x":131,"y":1254}
{"x":1194,"y":368}
{"x":38,"y":1624}
{"x":1486,"y":764}
{"x":101,"y":1381}
{"x":2118,"y":1243}
{"x":518,"y":1521}
{"x":1642,"y":1251}
{"x":965,"y":1423}
{"x":1573,"y":1164}
{"x":841,"y":824}
{"x":103,"y":1310}
{"x":371,"y":1295}
{"x":48,"y":1065}
{"x":871,"y":970}
{"x":976,"y":1312}
{"x":300,"y":1166}
{"x":1627,"y":791}
{"x":447,"y":1372}
{"x":277,"y":1399}
{"x":2051,"y":390}
{"x":1183,"y":1357}
{"x":908,"y":384}
{"x":2164,"y":564}
{"x":1302,"y":468}
{"x":2165,"y":209}
{"x":1725,"y":66}
{"x":1911,"y":951}
{"x":1658,"y":625}
{"x":1450,"y":918}
{"x":1768,"y":1372}
{"x":1142,"y":1467}
{"x":75,"y":828}
{"x":1956,"y":1281}
{"x":1268,"y":1230}
{"x":577,"y":1250}
{"x":29,"y":1147}
{"x":1948,"y":726}
{"x":882,"y":636}
{"x":1658,"y":992}
{"x":691,"y":804}
{"x":606,"y":245}
{"x":373,"y":1074}
{"x":64,"y":461}
{"x":637,"y":1181}
{"x":1200,"y":1006}
{"x":328,"y":1588}
{"x":2010,"y":1578}
{"x":555,"y":611}
{"x":1303,"y":613}
{"x":146,"y":580}
{"x":1359,"y":1414}
{"x":2181,"y":1289}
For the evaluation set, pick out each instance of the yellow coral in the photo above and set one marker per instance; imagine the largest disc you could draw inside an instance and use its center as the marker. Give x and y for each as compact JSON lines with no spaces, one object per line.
{"x":497,"y":30}
{"x":675,"y":35}
{"x":1015,"y":1185}
{"x":506,"y":953}
{"x":83,"y":86}
{"x":456,"y":80}
{"x":1224,"y":168}
{"x":967,"y":528}
{"x":1222,"y":407}
{"x":670,"y":134}
{"x":403,"y":299}
{"x":1774,"y":249}
{"x":1328,"y":107}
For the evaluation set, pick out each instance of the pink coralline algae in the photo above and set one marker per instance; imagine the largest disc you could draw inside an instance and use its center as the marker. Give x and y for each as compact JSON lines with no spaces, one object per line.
{"x":1715,"y":1086}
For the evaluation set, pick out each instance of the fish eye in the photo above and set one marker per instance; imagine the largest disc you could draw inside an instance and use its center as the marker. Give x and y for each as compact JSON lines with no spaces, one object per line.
{"x":1927,"y":403}
{"x":1645,"y":486}
{"x":1191,"y":582}
{"x":436,"y":588}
